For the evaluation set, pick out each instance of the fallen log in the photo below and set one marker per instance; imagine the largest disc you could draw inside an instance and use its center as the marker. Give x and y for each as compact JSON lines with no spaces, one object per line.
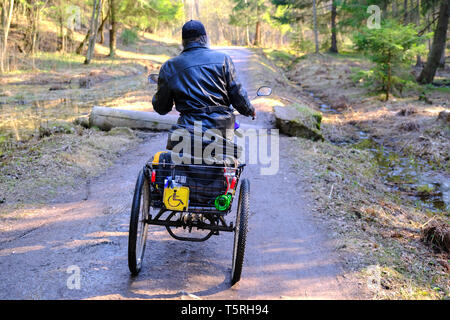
{"x":106,"y":118}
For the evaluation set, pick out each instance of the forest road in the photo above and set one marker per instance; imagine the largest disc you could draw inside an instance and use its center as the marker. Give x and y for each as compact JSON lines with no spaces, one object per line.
{"x":289,"y":254}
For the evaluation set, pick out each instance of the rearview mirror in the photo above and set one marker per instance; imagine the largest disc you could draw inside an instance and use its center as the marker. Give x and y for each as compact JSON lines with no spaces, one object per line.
{"x":264,"y":91}
{"x":153,"y":78}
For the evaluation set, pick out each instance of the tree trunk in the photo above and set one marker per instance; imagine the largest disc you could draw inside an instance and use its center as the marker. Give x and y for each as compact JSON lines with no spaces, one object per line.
{"x":100,"y":29}
{"x":333,"y":48}
{"x":33,"y":28}
{"x":106,"y":118}
{"x":94,"y":26}
{"x":91,"y":29}
{"x":6,"y":23}
{"x":88,"y":35}
{"x":419,"y":62}
{"x":113,"y":30}
{"x":247,"y":32}
{"x":439,"y":39}
{"x":384,"y":6}
{"x":257,"y":41}
{"x":83,"y":43}
{"x":102,"y":25}
{"x":61,"y":28}
{"x":405,"y":12}
{"x":247,"y":35}
{"x":316,"y":36}
{"x":389,"y":79}
{"x":69,"y":40}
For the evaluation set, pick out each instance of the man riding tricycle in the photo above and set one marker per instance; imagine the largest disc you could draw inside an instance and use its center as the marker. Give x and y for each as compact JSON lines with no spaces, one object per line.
{"x":193,"y":183}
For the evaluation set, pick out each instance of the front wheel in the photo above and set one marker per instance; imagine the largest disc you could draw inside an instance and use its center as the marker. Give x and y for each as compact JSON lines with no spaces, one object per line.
{"x":137,"y":235}
{"x":240,"y":232}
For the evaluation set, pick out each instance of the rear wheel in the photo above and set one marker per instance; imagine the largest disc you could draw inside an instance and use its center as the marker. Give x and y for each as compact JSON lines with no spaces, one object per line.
{"x":137,"y":235}
{"x":240,"y":232}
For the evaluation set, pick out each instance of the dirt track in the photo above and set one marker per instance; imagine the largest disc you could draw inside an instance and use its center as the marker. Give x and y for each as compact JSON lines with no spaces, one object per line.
{"x":288,"y":254}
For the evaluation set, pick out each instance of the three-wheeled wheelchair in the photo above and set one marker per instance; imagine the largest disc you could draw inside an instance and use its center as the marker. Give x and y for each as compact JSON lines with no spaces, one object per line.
{"x":188,"y":196}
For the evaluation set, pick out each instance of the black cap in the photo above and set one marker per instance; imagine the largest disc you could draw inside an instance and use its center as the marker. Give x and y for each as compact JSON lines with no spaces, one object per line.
{"x":193,"y":29}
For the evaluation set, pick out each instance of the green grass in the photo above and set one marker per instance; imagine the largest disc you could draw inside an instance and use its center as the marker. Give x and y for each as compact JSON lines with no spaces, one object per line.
{"x":430,"y":87}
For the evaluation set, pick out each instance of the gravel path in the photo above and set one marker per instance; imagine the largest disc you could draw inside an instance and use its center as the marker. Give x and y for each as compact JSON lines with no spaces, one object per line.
{"x":288,"y":254}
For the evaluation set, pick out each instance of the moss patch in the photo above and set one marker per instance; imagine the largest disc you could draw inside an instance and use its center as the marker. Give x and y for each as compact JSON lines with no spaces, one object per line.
{"x":299,"y":120}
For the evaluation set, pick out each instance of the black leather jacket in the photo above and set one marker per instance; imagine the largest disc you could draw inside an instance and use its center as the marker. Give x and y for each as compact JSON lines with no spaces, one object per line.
{"x":203,"y":84}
